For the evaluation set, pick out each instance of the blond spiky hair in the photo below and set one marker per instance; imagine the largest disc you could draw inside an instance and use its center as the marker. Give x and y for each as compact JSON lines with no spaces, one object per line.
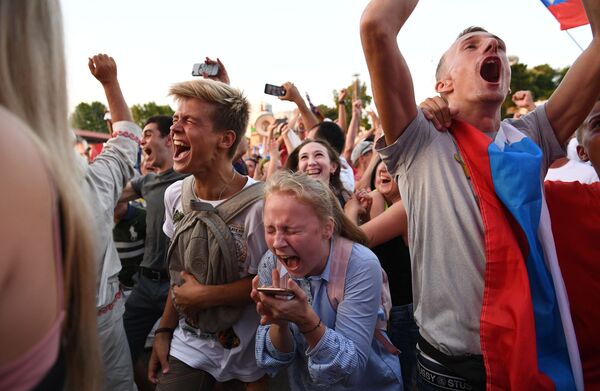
{"x":231,"y":108}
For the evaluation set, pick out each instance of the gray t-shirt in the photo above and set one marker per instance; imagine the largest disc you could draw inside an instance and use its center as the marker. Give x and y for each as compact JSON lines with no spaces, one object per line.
{"x":445,"y":230}
{"x":152,"y":187}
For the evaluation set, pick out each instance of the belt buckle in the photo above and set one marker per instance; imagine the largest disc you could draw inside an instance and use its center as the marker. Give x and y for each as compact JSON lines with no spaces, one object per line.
{"x":156,"y":275}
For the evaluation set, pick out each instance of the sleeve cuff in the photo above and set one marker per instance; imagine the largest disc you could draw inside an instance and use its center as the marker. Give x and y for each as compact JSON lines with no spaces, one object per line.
{"x":325,"y":349}
{"x":276,"y":354}
{"x":127,"y":129}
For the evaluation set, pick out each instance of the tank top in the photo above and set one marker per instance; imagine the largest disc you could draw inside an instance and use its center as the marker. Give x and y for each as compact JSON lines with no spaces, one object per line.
{"x":42,"y":367}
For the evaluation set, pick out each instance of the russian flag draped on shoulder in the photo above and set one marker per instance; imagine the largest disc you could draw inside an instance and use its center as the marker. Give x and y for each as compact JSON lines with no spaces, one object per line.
{"x":569,"y":13}
{"x":527,"y":336}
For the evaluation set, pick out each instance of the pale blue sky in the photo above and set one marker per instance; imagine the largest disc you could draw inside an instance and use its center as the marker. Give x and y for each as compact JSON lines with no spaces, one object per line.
{"x":313,"y":43}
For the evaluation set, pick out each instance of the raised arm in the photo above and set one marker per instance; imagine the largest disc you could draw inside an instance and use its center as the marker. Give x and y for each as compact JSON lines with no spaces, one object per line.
{"x":342,"y":110}
{"x":573,"y":99}
{"x":104,"y":68}
{"x":292,"y":94}
{"x":390,"y":77}
{"x":353,"y":128}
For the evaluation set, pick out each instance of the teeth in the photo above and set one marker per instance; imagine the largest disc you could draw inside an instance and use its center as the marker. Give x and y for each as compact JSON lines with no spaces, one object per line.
{"x":179,"y":144}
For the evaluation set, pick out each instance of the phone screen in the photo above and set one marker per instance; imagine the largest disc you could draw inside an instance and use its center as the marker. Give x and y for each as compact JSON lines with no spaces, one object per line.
{"x":199,"y":68}
{"x":274,"y":90}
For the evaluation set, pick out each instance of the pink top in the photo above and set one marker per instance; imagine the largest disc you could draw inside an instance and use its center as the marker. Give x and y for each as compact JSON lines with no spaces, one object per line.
{"x":29,"y":369}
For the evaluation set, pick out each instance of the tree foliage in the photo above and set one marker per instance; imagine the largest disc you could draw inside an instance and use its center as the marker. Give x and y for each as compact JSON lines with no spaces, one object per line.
{"x":89,"y":116}
{"x":141,"y":112}
{"x":331,"y":112}
{"x":541,"y":80}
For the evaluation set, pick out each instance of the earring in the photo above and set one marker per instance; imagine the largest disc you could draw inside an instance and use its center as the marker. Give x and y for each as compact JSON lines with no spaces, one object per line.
{"x":509,"y":92}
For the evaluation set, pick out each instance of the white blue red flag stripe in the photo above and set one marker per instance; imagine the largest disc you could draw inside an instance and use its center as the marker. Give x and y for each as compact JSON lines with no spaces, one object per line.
{"x":569,"y":13}
{"x":527,"y":336}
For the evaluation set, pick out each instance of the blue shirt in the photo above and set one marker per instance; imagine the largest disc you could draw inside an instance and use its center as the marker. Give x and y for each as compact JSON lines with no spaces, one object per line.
{"x":347,"y":356}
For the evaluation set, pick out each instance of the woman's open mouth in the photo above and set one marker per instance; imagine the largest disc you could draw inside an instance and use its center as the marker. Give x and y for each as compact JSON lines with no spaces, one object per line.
{"x":291,"y":262}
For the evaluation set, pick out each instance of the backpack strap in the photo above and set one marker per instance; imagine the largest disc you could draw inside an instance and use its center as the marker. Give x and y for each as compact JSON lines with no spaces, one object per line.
{"x":340,"y":256}
{"x":233,"y":206}
{"x":187,"y":193}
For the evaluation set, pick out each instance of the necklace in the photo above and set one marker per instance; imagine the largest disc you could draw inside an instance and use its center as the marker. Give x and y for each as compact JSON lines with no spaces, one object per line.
{"x":227,"y":184}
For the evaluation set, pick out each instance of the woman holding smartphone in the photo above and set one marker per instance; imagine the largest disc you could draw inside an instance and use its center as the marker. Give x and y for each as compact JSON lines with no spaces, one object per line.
{"x":324,"y":344}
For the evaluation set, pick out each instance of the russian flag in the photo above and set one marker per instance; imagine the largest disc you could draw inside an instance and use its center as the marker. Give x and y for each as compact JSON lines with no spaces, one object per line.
{"x":526,"y":333}
{"x":569,"y":13}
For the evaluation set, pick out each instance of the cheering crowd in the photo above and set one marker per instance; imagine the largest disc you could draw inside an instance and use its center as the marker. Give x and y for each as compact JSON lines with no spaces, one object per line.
{"x":426,"y":253}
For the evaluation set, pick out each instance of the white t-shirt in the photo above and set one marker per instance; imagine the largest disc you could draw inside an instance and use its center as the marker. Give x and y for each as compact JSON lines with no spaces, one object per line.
{"x":573,"y":171}
{"x":207,"y":353}
{"x":346,"y":175}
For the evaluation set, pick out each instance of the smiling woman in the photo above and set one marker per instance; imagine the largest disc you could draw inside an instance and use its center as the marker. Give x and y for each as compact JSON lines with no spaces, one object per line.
{"x":319,"y":160}
{"x":328,"y":332}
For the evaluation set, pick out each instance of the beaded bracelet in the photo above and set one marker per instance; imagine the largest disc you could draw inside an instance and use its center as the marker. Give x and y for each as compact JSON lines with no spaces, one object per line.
{"x":313,"y":329}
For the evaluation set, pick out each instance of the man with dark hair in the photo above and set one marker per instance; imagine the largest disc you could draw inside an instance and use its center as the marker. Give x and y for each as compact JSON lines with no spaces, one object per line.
{"x":147,"y":300}
{"x":490,"y":304}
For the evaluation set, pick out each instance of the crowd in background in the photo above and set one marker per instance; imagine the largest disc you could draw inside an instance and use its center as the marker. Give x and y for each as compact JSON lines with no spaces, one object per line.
{"x":437,"y":249}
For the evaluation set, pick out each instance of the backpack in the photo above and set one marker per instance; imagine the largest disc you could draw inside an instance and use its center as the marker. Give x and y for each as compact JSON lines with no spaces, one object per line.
{"x":204,"y":246}
{"x":340,"y":256}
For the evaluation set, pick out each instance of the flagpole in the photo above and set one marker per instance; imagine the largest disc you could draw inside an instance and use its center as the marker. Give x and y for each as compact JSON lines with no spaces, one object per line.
{"x":576,"y":43}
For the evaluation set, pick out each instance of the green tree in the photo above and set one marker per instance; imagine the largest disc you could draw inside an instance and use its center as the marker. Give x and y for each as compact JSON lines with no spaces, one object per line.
{"x":89,"y":116}
{"x":331,"y":112}
{"x":541,"y":80}
{"x":141,"y":112}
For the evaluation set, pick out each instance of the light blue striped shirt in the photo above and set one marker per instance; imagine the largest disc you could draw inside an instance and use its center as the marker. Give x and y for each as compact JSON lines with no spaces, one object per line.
{"x":347,"y":356}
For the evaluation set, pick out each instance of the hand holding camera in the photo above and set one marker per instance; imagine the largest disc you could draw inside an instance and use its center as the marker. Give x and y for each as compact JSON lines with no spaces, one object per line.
{"x":211,"y":69}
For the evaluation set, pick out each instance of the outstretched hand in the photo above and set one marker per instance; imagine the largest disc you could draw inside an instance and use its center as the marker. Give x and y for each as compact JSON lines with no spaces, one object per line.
{"x":437,"y":110}
{"x":103,"y":68}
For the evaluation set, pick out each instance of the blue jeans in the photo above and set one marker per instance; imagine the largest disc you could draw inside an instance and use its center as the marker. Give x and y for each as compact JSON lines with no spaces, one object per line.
{"x":404,"y":333}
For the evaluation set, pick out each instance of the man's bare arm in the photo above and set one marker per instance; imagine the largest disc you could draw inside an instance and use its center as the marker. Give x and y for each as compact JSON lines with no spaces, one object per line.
{"x":342,"y":122}
{"x":104,"y":68}
{"x":575,"y":96}
{"x":390,"y":77}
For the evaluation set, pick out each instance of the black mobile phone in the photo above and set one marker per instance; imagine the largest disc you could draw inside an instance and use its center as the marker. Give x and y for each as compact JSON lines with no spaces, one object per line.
{"x":272,"y":291}
{"x":200,"y":68}
{"x":274,"y":90}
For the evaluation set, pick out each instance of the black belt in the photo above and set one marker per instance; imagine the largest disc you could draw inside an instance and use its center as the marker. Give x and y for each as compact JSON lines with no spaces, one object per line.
{"x":440,"y":376}
{"x":153,"y":274}
{"x":469,"y":367}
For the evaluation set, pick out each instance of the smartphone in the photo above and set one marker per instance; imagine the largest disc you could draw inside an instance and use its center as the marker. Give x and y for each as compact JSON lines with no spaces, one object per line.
{"x":271,"y":89}
{"x":272,"y":291}
{"x":200,"y":68}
